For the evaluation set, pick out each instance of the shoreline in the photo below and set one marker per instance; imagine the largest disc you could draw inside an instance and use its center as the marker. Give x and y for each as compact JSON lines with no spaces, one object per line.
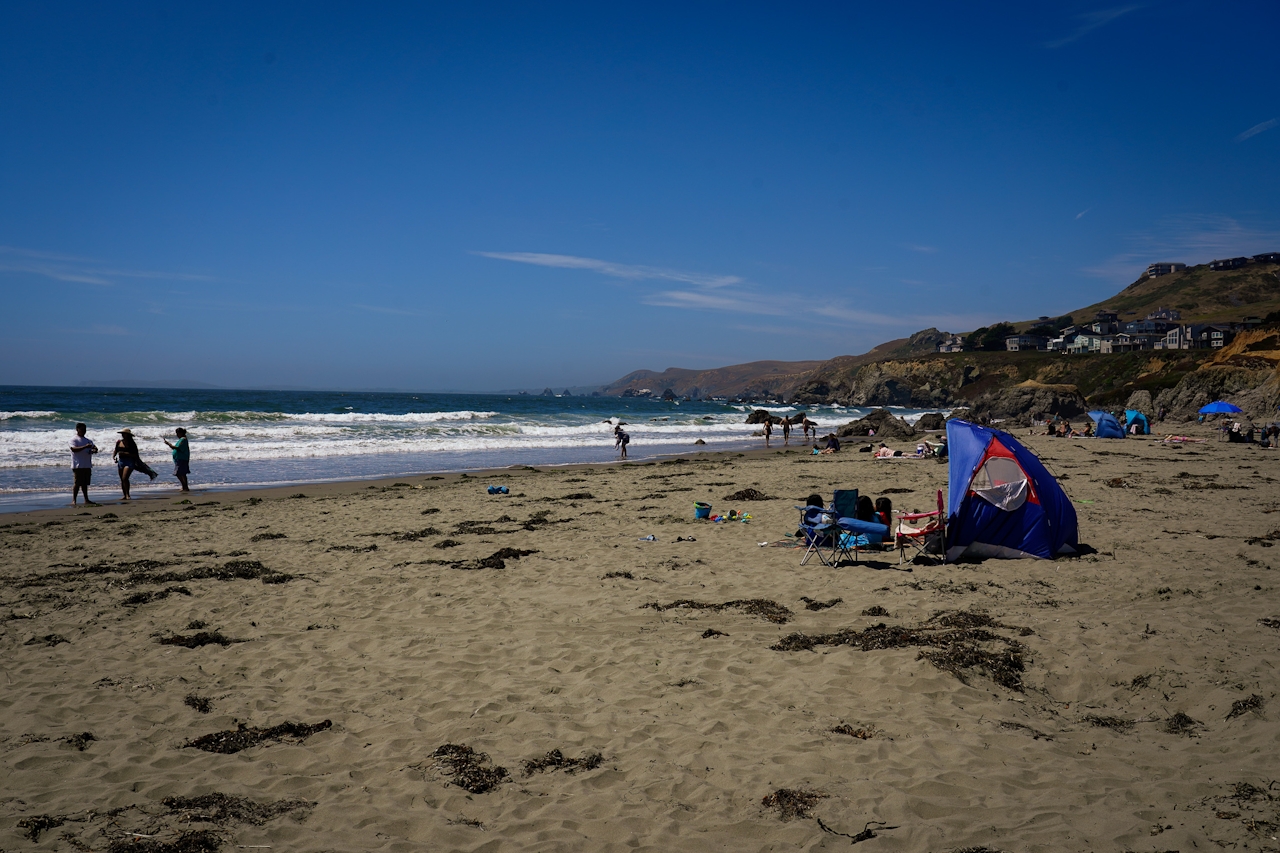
{"x":330,"y":488}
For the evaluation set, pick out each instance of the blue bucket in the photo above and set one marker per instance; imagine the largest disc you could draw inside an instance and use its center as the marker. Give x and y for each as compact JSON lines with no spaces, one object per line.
{"x":701,"y":510}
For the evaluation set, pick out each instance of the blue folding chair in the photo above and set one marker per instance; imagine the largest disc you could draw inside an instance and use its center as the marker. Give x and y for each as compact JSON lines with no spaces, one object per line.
{"x":821,"y":530}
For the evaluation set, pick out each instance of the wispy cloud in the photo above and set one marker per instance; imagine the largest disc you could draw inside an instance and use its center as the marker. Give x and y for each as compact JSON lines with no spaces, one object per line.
{"x":1262,"y":127}
{"x":71,"y":268}
{"x":924,"y":250}
{"x":378,"y":309}
{"x":709,"y":292}
{"x":745,"y":303}
{"x":614,"y":270}
{"x":1192,"y":239}
{"x":1081,"y":214}
{"x":1090,"y":22}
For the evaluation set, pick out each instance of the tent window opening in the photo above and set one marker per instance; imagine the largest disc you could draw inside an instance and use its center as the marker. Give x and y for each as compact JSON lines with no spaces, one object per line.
{"x":1001,"y":482}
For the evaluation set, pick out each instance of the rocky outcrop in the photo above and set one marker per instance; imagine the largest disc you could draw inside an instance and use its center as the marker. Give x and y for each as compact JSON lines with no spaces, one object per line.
{"x":1024,"y":401}
{"x":1206,"y":385}
{"x":931,"y":420}
{"x":1246,"y":372}
{"x":882,"y":424}
{"x":1140,"y":401}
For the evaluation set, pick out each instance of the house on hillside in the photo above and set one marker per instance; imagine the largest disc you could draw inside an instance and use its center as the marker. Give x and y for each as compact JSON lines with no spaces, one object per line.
{"x":1147,"y":327}
{"x":1172,"y":315}
{"x":1198,"y":336}
{"x":951,"y":343}
{"x":1129,"y":342}
{"x":1087,"y":342}
{"x":1156,"y":270}
{"x":1105,"y":323}
{"x":1026,"y":343}
{"x":1267,"y":258}
{"x":1228,"y":264}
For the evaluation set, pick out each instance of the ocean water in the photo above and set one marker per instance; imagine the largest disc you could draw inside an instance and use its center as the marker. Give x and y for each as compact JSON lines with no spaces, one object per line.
{"x":263,"y":438}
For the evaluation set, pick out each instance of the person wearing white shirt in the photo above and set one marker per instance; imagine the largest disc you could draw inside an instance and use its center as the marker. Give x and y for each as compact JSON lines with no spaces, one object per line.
{"x":82,"y":450}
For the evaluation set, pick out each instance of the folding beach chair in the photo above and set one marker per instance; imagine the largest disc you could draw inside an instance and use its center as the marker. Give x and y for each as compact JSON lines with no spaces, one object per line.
{"x":821,"y":530}
{"x":919,"y":537}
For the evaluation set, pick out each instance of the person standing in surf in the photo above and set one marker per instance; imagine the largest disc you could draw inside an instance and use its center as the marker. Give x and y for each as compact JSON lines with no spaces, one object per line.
{"x":181,"y":457}
{"x":620,"y":440}
{"x":82,"y":450}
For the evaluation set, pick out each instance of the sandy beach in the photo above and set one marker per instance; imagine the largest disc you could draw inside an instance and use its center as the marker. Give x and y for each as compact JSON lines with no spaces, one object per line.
{"x":420,"y":665}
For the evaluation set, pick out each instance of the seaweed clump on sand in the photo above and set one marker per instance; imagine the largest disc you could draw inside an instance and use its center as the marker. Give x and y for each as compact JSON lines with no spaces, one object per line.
{"x":243,"y":737}
{"x":415,"y":535}
{"x":223,"y":808}
{"x":202,"y":704}
{"x":623,"y":575}
{"x":555,"y":760}
{"x":1116,"y":724}
{"x":80,"y":741}
{"x":496,"y":560}
{"x":813,"y":604}
{"x":33,"y":826}
{"x":952,"y":641}
{"x":1181,"y":724}
{"x":244,"y":570}
{"x":1240,"y":707}
{"x":875,"y":610}
{"x":157,"y":595}
{"x":199,"y":841}
{"x":770,"y":611}
{"x":195,"y":641}
{"x":466,"y":767}
{"x":792,"y":803}
{"x":861,"y":733}
{"x":748,"y":495}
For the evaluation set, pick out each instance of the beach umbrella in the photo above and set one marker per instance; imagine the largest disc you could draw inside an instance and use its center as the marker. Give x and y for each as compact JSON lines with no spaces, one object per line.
{"x":1219,"y":407}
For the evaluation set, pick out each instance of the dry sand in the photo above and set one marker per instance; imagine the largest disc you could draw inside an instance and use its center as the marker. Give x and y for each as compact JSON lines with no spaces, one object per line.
{"x":404,"y":654}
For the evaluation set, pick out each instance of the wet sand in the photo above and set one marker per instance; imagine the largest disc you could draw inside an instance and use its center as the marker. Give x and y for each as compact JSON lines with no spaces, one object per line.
{"x":394,"y":693}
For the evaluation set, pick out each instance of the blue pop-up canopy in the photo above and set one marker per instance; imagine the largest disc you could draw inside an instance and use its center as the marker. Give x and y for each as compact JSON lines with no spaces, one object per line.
{"x":1106,"y":425}
{"x":1220,"y":407}
{"x":1003,"y":502}
{"x":1132,"y":416}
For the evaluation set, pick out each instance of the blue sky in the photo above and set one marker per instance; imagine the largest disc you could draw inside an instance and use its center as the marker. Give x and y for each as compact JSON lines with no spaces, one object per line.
{"x":484,"y":196}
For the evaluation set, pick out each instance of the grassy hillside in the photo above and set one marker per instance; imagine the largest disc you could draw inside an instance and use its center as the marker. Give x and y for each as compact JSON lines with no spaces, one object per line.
{"x":1202,"y":295}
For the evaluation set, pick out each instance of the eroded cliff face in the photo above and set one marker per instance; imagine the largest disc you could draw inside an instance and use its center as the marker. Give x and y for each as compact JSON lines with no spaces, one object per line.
{"x":1247,"y":372}
{"x":925,"y":383}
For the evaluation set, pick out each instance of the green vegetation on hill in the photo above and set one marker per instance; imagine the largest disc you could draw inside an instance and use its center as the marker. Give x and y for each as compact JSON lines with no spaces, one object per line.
{"x":1201,"y":294}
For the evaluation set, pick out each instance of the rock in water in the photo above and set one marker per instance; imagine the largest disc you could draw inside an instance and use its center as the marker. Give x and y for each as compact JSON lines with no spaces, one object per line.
{"x":883,"y":422}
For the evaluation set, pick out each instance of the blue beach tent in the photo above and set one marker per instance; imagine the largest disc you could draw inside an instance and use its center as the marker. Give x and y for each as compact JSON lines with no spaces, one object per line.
{"x":1106,"y":425}
{"x":1132,"y":416}
{"x":1003,"y":502}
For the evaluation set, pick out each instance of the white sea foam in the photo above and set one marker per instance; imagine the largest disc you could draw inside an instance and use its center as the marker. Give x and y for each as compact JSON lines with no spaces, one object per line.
{"x":4,"y":416}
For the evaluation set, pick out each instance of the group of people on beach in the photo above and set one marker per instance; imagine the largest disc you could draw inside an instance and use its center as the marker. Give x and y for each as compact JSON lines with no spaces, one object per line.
{"x":127,"y":458}
{"x":785,"y":425}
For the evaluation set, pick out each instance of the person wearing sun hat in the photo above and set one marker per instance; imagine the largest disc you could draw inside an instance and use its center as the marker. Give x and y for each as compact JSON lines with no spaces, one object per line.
{"x":128,"y":460}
